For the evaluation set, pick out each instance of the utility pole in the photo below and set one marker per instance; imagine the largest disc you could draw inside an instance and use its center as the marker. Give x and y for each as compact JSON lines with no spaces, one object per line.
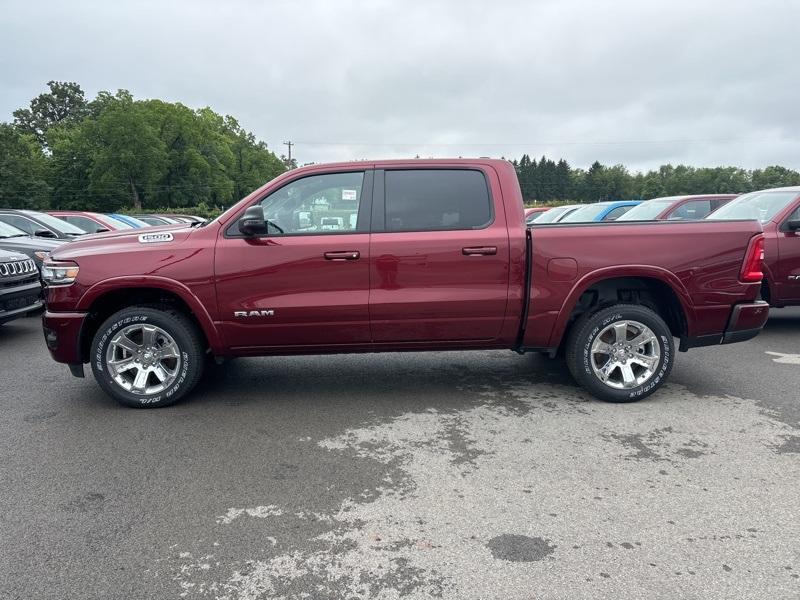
{"x":289,"y":145}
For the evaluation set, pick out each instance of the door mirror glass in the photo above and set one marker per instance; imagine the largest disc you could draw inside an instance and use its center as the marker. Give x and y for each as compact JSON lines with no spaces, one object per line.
{"x":45,"y":233}
{"x":252,"y":221}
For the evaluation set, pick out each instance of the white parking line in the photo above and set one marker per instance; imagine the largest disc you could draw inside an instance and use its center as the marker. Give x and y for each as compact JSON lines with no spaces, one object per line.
{"x":785,"y":359}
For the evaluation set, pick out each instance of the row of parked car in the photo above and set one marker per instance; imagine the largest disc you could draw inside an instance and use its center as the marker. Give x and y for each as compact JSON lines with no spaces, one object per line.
{"x":671,"y":208}
{"x":777,"y":209}
{"x":27,"y":237}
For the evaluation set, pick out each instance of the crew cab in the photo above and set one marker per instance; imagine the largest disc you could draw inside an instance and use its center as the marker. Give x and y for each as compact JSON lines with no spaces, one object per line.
{"x":778,"y":210}
{"x":398,"y":256}
{"x":20,"y":288}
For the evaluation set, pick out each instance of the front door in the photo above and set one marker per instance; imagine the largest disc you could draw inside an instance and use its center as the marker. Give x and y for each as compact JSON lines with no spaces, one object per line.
{"x":440,"y":256}
{"x":788,"y":277}
{"x":305,"y":282}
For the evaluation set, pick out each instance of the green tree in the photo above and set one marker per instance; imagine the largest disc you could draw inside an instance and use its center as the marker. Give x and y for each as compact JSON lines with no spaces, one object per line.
{"x":63,"y":104}
{"x":23,"y":182}
{"x":128,"y":157}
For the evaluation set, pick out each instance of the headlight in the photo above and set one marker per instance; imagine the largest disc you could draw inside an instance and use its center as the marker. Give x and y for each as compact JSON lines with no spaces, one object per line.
{"x":41,"y":255}
{"x":59,"y":273}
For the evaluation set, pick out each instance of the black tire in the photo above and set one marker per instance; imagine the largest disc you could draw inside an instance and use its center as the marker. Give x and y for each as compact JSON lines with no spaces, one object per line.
{"x":590,"y":326}
{"x":186,"y":336}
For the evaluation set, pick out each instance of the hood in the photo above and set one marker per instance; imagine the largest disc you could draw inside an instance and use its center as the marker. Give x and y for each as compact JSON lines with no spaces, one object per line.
{"x":6,"y":256}
{"x":31,"y":243}
{"x":121,"y":240}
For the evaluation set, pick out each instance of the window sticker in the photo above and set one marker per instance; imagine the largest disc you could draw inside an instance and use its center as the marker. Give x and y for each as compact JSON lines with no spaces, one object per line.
{"x":348,"y":194}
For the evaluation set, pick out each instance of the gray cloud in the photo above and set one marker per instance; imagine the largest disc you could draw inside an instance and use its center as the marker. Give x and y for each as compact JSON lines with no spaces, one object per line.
{"x":704,"y":82}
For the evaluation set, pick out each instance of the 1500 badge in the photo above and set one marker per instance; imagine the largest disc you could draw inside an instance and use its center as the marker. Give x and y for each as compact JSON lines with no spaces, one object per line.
{"x":152,"y":238}
{"x":254,"y":313}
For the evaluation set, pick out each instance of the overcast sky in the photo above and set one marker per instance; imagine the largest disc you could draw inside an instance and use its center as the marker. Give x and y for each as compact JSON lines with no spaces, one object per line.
{"x":640,"y":82}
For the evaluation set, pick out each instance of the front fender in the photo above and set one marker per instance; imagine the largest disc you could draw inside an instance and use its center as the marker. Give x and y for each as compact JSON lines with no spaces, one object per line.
{"x":96,"y":291}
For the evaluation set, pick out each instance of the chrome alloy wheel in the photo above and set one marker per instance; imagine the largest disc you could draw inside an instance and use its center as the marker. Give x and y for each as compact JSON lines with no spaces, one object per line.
{"x":625,"y":355}
{"x":143,"y":359}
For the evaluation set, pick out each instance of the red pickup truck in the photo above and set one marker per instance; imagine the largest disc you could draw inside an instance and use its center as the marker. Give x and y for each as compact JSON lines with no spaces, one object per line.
{"x":394,"y":256}
{"x":778,"y":210}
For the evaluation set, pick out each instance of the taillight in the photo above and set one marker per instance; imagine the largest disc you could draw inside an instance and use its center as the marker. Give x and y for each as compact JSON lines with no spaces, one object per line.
{"x":753,"y":261}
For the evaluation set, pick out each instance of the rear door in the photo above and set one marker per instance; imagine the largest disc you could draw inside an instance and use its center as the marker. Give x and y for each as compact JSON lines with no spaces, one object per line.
{"x":440,"y":256}
{"x":304,"y":283}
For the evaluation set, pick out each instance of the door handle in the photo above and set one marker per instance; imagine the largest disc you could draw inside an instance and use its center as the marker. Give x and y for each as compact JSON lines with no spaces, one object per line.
{"x":347,"y":255}
{"x":479,"y":251}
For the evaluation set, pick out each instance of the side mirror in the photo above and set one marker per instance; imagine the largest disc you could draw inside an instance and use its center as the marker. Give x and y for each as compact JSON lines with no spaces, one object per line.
{"x":101,"y":230}
{"x":45,"y":233}
{"x":252,"y":221}
{"x":793,"y":225}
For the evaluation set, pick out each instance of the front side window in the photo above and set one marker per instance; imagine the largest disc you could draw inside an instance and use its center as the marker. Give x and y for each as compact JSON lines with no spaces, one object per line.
{"x":437,"y":200}
{"x":694,"y":209}
{"x":20,"y":223}
{"x":57,"y":224}
{"x":319,"y":204}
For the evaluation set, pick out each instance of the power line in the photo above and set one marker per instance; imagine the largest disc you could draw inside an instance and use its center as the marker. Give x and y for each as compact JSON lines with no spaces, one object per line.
{"x":534,"y":143}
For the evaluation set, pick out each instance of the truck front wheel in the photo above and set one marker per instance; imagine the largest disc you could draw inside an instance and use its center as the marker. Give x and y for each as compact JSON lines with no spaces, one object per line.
{"x":622,"y":353}
{"x":147,"y":356}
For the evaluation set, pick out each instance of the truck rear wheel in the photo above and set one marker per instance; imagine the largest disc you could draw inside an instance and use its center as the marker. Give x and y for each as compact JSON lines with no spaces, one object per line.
{"x":622,"y":353}
{"x":147,"y":356}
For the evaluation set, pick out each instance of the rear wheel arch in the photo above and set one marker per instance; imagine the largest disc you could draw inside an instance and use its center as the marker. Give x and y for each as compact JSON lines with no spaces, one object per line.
{"x":647,"y":290}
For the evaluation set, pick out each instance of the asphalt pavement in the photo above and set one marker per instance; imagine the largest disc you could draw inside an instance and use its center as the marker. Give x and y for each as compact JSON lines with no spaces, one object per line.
{"x":453,"y":475}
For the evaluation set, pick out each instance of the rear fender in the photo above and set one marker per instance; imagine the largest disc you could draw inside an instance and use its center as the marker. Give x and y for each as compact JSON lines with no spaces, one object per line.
{"x":616,"y":272}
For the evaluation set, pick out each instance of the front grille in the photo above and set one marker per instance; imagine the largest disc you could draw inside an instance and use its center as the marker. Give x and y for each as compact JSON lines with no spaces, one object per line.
{"x":8,"y":282}
{"x":18,"y":302}
{"x":17,"y":267}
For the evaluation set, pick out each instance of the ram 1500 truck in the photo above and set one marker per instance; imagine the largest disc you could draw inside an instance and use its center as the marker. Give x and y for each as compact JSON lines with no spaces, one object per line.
{"x":778,"y":210}
{"x":398,"y":256}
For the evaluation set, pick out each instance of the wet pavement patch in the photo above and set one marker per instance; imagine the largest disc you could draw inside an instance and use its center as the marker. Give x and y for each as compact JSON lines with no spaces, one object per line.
{"x":520,"y":548}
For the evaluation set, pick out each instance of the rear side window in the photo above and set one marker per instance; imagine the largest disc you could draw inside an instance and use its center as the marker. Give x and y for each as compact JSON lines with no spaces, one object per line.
{"x":694,"y":209}
{"x":436,"y":200}
{"x":617,"y":213}
{"x":84,"y":223}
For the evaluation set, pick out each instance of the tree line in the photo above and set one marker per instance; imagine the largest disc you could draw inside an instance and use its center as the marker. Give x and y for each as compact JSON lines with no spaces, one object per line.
{"x":546,"y":180}
{"x":114,"y":152}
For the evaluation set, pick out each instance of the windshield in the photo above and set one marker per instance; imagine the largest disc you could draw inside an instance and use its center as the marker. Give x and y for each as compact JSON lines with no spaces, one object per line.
{"x":135,"y":222}
{"x":57,"y":224}
{"x":647,"y":211}
{"x":118,"y":223}
{"x":552,"y":214}
{"x":585,"y":214}
{"x":762,"y":206}
{"x":8,"y":231}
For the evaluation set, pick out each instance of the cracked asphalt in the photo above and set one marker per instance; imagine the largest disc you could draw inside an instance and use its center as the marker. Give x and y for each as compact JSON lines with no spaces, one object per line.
{"x":447,"y":475}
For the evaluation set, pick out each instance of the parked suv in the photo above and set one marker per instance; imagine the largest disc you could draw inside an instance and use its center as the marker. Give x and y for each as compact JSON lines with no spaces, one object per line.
{"x":16,"y":240}
{"x":20,"y":288}
{"x":39,"y":224}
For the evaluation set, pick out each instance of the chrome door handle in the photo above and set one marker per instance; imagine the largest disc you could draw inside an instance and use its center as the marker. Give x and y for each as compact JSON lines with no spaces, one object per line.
{"x":479,"y":251}
{"x":348,"y":255}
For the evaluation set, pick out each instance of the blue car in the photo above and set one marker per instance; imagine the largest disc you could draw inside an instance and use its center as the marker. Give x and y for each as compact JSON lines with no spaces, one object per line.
{"x":600,"y":211}
{"x":132,"y":221}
